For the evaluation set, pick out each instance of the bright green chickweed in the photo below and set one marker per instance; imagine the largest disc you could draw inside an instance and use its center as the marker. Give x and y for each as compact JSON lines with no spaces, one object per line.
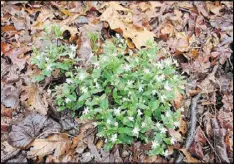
{"x":128,"y":96}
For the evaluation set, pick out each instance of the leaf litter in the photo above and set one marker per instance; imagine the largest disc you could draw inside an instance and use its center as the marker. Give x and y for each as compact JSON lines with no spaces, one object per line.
{"x":197,"y":34}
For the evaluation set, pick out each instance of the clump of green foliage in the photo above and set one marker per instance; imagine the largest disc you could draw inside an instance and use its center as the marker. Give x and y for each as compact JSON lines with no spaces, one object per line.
{"x":53,"y":56}
{"x":128,"y":95}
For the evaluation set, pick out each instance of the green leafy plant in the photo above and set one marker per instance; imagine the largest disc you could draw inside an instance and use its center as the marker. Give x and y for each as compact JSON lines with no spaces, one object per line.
{"x":93,"y":36}
{"x":53,"y":56}
{"x":128,"y":95}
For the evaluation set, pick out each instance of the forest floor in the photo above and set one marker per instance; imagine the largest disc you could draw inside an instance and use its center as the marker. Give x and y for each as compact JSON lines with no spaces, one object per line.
{"x":199,"y":35}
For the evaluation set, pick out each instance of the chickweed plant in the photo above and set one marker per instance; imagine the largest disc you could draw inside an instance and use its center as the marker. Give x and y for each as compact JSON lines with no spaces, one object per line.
{"x":127,"y":94}
{"x":53,"y":56}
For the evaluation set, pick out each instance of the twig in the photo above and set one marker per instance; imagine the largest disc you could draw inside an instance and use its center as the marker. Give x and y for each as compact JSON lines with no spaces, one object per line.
{"x":193,"y":122}
{"x":192,"y":129}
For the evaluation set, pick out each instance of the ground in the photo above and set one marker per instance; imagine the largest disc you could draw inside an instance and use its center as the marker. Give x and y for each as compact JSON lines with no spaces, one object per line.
{"x":199,"y":35}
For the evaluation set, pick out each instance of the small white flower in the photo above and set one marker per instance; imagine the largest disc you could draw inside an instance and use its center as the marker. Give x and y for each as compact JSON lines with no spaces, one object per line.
{"x":84,"y":89}
{"x":117,"y":111}
{"x":130,"y":82}
{"x":146,"y":71}
{"x":163,"y":130}
{"x":81,"y":76}
{"x":108,"y":121}
{"x":49,"y":68}
{"x":139,"y":112}
{"x":69,"y":81}
{"x":154,"y":92}
{"x":73,"y":48}
{"x":116,"y":124}
{"x":125,"y":99}
{"x":38,"y":57}
{"x":158,"y":124}
{"x":47,"y":59}
{"x":127,"y":68}
{"x":117,"y":35}
{"x":129,"y":93}
{"x":140,"y":88}
{"x":176,"y":63}
{"x":173,"y":140}
{"x":67,"y":100}
{"x":159,"y":65}
{"x":94,"y":124}
{"x":162,"y":98}
{"x":131,"y":118}
{"x":168,"y":61}
{"x":97,"y":86}
{"x":155,"y":144}
{"x":136,"y":131}
{"x":167,"y":87}
{"x":168,"y":114}
{"x":143,"y":124}
{"x":166,"y":153}
{"x":86,"y":110}
{"x":160,"y":78}
{"x":177,"y":124}
{"x":96,"y":64}
{"x":122,"y":41}
{"x":114,"y":138}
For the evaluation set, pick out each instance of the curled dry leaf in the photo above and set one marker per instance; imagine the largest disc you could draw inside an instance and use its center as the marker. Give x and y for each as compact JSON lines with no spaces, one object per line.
{"x":23,"y":133}
{"x":58,"y":145}
{"x":115,"y":20}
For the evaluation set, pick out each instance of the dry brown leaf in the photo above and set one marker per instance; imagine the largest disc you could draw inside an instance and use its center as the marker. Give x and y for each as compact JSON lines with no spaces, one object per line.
{"x":188,"y":156}
{"x":179,"y":100}
{"x":99,"y":144}
{"x":57,"y":145}
{"x":33,"y":99}
{"x":183,"y":126}
{"x":116,"y":21}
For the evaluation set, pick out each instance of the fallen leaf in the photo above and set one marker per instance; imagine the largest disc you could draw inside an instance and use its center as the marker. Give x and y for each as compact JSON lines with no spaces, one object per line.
{"x":225,"y":119}
{"x":179,"y":100}
{"x":6,"y":112}
{"x":10,"y":96}
{"x":23,"y":133}
{"x":183,"y":126}
{"x":7,"y":28}
{"x":115,"y":20}
{"x":99,"y":144}
{"x":34,"y":101}
{"x":220,"y":145}
{"x":14,"y":56}
{"x":188,"y":157}
{"x":175,"y":134}
{"x":57,"y":144}
{"x":196,"y":150}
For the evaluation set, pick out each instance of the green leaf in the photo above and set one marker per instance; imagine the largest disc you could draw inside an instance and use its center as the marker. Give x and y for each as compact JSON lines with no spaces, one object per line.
{"x":125,"y":139}
{"x":125,"y":130}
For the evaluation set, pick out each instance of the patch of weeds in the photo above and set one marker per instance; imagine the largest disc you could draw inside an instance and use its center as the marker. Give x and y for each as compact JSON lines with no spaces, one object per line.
{"x":53,"y":57}
{"x":128,"y":96}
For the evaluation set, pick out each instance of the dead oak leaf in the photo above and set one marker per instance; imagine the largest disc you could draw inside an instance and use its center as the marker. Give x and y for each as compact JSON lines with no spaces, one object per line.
{"x":111,"y":15}
{"x":33,"y":99}
{"x":57,"y":145}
